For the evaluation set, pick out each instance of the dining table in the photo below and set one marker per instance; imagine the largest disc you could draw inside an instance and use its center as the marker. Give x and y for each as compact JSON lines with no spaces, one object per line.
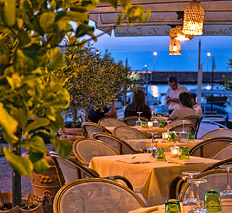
{"x":160,"y":143}
{"x":148,"y":176}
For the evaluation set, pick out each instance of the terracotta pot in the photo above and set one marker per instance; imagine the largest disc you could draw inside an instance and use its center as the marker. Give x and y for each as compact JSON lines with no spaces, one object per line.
{"x":47,"y":181}
{"x":6,"y":197}
{"x":37,"y":209}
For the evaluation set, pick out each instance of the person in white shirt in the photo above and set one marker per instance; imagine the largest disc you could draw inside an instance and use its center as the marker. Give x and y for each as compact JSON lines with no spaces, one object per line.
{"x":172,"y":95}
{"x":196,"y":106}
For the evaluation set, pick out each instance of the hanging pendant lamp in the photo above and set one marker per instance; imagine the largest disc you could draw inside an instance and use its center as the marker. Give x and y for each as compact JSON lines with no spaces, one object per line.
{"x":176,"y":33}
{"x":193,"y":19}
{"x":174,"y":47}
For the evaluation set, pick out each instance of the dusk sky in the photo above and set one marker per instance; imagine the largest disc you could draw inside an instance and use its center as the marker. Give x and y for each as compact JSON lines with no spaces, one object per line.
{"x":139,"y":52}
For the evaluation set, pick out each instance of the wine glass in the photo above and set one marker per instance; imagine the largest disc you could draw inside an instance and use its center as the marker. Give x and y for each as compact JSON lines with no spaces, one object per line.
{"x":153,"y":147}
{"x":197,"y":209}
{"x":226,"y":195}
{"x":139,"y":122}
{"x":168,"y":125}
{"x":191,"y":199}
{"x":183,"y":126}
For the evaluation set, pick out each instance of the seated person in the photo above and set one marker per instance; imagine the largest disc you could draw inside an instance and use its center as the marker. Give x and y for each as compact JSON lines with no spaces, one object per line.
{"x":138,"y":105}
{"x":185,"y":109}
{"x":95,"y":116}
{"x":196,"y":106}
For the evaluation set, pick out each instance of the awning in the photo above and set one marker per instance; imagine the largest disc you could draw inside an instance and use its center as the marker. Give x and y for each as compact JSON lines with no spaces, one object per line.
{"x":164,"y":15}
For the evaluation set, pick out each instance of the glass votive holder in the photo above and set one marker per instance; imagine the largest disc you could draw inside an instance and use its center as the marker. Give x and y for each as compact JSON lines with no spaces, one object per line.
{"x":165,"y":135}
{"x":150,"y":124}
{"x":191,"y":136}
{"x":212,"y":201}
{"x":171,"y":136}
{"x":184,"y":153}
{"x":160,"y":154}
{"x":155,"y":123}
{"x":144,"y":124}
{"x":174,"y":150}
{"x":172,"y":205}
{"x":183,"y":136}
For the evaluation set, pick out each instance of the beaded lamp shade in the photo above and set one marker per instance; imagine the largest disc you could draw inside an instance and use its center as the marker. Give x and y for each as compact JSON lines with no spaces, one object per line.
{"x":193,"y":19}
{"x":176,"y":33}
{"x":174,"y":47}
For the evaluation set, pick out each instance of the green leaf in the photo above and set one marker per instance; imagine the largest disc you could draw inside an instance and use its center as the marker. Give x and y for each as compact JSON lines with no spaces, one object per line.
{"x":33,"y":51}
{"x":9,"y":12}
{"x":8,"y":123}
{"x":19,"y":114}
{"x":46,"y":20}
{"x":41,"y":165}
{"x":57,"y":62}
{"x":35,"y":145}
{"x":21,"y":165}
{"x":63,"y":147}
{"x":114,"y":3}
{"x":40,"y":122}
{"x":84,"y":29}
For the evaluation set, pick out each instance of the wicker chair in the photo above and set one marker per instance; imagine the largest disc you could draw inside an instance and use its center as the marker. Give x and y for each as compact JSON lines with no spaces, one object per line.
{"x":196,"y":120}
{"x":71,"y":169}
{"x":85,"y":149}
{"x":209,"y":147}
{"x":187,"y":127}
{"x":111,"y":122}
{"x":89,"y":129}
{"x":121,"y":146}
{"x":216,"y":179}
{"x":126,"y":132}
{"x":222,"y":132}
{"x":96,"y":195}
{"x":178,"y":183}
{"x":223,"y":153}
{"x":131,"y":120}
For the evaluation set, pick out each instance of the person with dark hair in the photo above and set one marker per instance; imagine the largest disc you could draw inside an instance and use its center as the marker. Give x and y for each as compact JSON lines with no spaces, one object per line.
{"x":138,"y":105}
{"x":172,"y":95}
{"x":196,"y":106}
{"x":185,"y":108}
{"x":96,"y":115}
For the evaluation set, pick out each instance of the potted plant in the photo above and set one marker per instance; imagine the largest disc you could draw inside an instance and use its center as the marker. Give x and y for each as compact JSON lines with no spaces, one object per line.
{"x":29,"y":87}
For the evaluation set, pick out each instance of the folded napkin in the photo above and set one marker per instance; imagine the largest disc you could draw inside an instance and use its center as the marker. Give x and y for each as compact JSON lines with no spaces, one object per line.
{"x":145,"y":210}
{"x":183,"y":162}
{"x":134,"y":160}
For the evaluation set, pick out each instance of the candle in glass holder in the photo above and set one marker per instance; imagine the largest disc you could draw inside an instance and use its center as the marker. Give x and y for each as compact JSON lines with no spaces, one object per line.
{"x":165,"y":135}
{"x":150,"y":124}
{"x":175,"y":150}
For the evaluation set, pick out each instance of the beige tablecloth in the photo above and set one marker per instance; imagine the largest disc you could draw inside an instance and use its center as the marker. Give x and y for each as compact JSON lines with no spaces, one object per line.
{"x":145,"y":143}
{"x":150,"y":177}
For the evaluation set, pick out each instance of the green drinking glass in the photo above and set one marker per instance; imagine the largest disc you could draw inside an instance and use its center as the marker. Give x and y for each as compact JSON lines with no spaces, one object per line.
{"x":172,"y":206}
{"x":190,"y":136}
{"x":160,"y":154}
{"x":212,"y":201}
{"x":161,"y":124}
{"x":184,"y":153}
{"x":171,"y":137}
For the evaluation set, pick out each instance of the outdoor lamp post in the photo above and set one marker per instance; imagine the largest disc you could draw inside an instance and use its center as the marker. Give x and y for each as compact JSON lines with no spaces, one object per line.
{"x":154,"y":55}
{"x":146,"y":80}
{"x":208,"y":55}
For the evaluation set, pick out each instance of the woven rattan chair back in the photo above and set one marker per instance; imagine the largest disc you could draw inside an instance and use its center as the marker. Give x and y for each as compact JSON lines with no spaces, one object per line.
{"x":111,"y":122}
{"x":89,"y":129}
{"x":209,"y":147}
{"x":187,"y":127}
{"x":126,"y":133}
{"x":196,"y":120}
{"x":70,"y":169}
{"x":131,"y":120}
{"x":96,"y":195}
{"x":222,"y":132}
{"x":216,"y":179}
{"x":86,"y":149}
{"x":224,"y":153}
{"x":120,"y":145}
